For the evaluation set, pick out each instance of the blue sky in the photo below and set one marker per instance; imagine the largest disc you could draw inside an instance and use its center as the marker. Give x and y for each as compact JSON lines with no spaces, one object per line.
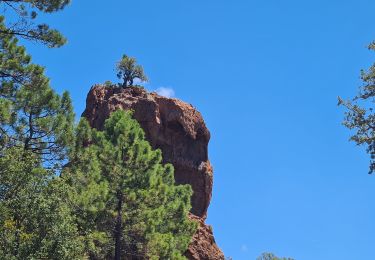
{"x":265,"y":75}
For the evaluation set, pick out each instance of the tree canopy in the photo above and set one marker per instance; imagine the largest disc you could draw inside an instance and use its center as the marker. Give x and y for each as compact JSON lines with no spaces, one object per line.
{"x":32,"y":115}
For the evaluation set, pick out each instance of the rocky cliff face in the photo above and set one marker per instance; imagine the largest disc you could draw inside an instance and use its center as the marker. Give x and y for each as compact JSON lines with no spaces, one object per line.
{"x":176,"y":128}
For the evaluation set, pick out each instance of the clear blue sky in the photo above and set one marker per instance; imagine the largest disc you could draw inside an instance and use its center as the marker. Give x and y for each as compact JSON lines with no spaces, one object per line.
{"x":265,"y":75}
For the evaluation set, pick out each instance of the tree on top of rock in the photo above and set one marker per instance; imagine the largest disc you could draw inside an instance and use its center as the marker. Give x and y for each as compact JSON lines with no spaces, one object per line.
{"x":128,"y":70}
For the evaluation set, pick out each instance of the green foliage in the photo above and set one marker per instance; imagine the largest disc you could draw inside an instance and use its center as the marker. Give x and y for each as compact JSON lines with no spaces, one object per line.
{"x":128,"y":71}
{"x":127,"y":203}
{"x":36,"y":129}
{"x":35,"y":217}
{"x":270,"y":256}
{"x":42,"y":120}
{"x":360,"y":114}
{"x":38,"y":119}
{"x":25,"y":13}
{"x":32,"y":115}
{"x":13,"y":61}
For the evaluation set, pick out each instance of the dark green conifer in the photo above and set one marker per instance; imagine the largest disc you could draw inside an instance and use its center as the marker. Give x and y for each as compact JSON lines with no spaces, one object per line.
{"x":32,"y":115}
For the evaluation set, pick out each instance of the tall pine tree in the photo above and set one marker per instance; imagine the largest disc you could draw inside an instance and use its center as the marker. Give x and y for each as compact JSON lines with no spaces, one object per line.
{"x":32,"y":115}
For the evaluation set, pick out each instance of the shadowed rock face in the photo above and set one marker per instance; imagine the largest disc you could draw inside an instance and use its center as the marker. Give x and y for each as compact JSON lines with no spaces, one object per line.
{"x":179,"y":131}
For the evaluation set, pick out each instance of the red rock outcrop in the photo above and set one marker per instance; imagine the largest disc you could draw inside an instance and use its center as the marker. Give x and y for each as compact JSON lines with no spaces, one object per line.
{"x":176,"y":128}
{"x":203,"y":245}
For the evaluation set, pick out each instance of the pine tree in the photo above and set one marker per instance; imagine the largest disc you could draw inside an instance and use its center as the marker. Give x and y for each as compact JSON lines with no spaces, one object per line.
{"x":125,"y":193}
{"x":32,"y":115}
{"x":13,"y":58}
{"x":89,"y":193}
{"x":20,"y":79}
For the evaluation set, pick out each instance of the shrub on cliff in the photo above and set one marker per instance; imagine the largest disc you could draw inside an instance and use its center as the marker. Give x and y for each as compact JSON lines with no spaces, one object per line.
{"x":127,"y":203}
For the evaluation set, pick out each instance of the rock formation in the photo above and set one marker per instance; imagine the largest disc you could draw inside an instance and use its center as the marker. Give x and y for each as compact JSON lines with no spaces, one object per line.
{"x":178,"y":129}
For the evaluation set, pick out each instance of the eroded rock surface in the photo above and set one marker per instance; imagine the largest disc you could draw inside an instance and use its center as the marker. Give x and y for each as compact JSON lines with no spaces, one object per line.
{"x":176,"y":128}
{"x":203,"y":245}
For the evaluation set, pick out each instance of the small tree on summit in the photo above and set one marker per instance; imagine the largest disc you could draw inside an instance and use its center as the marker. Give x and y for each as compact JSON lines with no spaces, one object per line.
{"x":128,"y":70}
